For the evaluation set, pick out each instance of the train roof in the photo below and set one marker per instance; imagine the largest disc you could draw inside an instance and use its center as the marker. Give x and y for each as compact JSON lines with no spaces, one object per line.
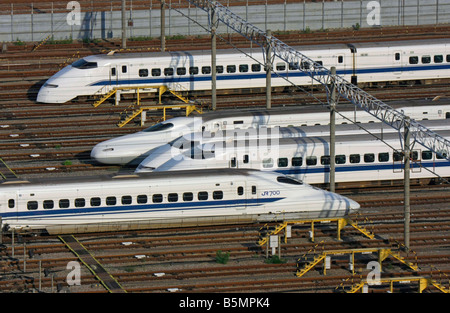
{"x":340,"y":139}
{"x":127,"y":177}
{"x":397,"y":43}
{"x":245,"y":112}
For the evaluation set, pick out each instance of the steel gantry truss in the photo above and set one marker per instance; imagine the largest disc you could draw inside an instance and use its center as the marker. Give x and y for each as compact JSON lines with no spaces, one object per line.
{"x":323,"y":76}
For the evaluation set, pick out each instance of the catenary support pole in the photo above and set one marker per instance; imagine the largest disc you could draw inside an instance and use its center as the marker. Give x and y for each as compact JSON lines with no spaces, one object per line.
{"x":268,"y":70}
{"x":407,"y":153}
{"x":163,"y":25}
{"x":124,"y":27}
{"x":213,"y":59}
{"x":332,"y":103}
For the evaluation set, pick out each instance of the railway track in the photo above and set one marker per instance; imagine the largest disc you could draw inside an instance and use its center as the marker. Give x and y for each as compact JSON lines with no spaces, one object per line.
{"x":187,"y":256}
{"x":53,"y":133}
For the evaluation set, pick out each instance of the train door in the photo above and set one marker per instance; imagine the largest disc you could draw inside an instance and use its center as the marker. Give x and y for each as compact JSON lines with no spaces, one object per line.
{"x":416,"y":161}
{"x":234,"y":162}
{"x":123,"y":74}
{"x":9,"y":208}
{"x":398,"y":66}
{"x":340,"y":62}
{"x":113,"y":77}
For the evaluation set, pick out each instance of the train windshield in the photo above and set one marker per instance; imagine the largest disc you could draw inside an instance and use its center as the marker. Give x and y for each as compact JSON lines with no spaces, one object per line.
{"x":158,"y":127}
{"x":289,"y":180}
{"x":83,"y":64}
{"x":202,"y":154}
{"x":183,"y":143}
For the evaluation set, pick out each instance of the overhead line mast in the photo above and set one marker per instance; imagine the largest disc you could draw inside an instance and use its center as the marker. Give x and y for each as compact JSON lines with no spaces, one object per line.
{"x":322,"y":75}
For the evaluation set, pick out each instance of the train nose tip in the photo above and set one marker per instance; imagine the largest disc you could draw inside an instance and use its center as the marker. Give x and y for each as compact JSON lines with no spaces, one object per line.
{"x":353,"y":205}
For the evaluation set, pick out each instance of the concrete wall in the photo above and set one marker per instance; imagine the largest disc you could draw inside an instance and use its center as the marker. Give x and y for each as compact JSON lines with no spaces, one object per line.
{"x":281,"y":17}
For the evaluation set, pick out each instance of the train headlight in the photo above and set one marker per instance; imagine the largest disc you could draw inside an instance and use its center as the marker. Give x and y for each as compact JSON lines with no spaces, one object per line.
{"x":50,"y":85}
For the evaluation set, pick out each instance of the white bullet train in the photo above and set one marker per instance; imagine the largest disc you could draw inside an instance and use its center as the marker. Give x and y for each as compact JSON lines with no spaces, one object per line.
{"x":160,"y":155}
{"x":359,"y":158}
{"x":133,"y":148}
{"x":156,"y":200}
{"x":191,"y":70}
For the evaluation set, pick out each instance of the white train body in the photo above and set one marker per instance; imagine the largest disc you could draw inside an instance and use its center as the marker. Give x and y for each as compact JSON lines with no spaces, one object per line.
{"x":359,"y":158}
{"x":155,"y":200}
{"x":191,"y":70}
{"x":160,"y":155}
{"x":135,"y":147}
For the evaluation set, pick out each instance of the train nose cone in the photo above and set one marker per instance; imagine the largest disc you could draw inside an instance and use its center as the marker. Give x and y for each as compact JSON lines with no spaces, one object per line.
{"x":100,"y":154}
{"x":352,"y":205}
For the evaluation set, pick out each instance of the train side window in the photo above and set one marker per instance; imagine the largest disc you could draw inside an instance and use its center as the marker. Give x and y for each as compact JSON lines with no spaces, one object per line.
{"x":448,"y":58}
{"x":397,"y":156}
{"x":217,"y":195}
{"x":297,"y":161}
{"x":233,"y":162}
{"x":383,"y":157}
{"x":447,"y":115}
{"x":64,"y":203}
{"x":243,"y":68}
{"x":355,"y":158}
{"x":80,"y":202}
{"x":245,"y":160}
{"x":426,"y":59}
{"x":231,"y":68}
{"x":157,"y":198}
{"x":280,"y":66}
{"x":202,"y":195}
{"x":319,"y":62}
{"x":32,"y":205}
{"x":397,"y":56}
{"x":414,"y":155}
{"x":282,"y":162}
{"x":193,"y":70}
{"x":311,"y":160}
{"x":141,"y":199}
{"x":369,"y":157}
{"x":156,"y":72}
{"x":253,"y":190}
{"x":219,"y":69}
{"x":124,"y":69}
{"x":126,"y":200}
{"x":413,"y":60}
{"x":267,"y":163}
{"x":256,"y":67}
{"x":427,"y":155}
{"x":48,"y":204}
{"x":96,"y":201}
{"x":325,"y":160}
{"x":240,"y":191}
{"x":438,"y":58}
{"x":113,"y":71}
{"x":168,"y":71}
{"x":172,"y":197}
{"x":340,"y":59}
{"x":181,"y":71}
{"x":441,"y":157}
{"x":206,"y":69}
{"x":143,"y":72}
{"x":293,"y":66}
{"x":188,"y":196}
{"x":111,"y":201}
{"x":11,"y":203}
{"x":340,"y":159}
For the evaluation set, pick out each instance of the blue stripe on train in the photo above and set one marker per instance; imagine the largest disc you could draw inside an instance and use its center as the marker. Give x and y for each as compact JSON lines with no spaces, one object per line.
{"x":143,"y":208}
{"x":260,"y":75}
